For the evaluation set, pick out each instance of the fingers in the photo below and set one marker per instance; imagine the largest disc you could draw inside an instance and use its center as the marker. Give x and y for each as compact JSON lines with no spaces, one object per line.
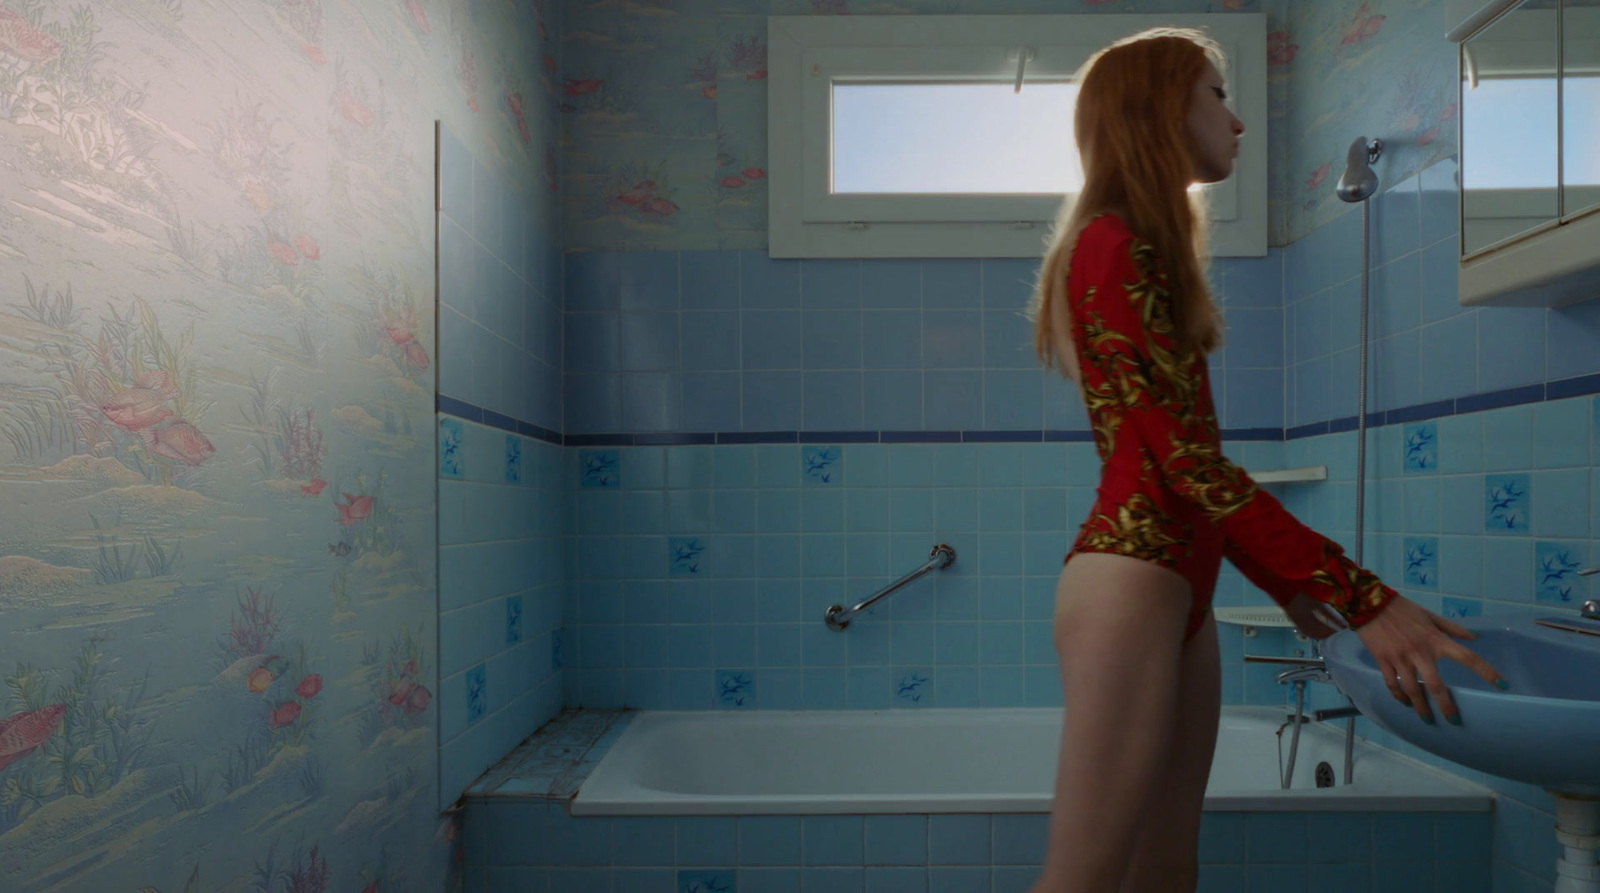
{"x":1441,"y":695}
{"x":1472,"y":661}
{"x":1453,"y":628}
{"x":1392,"y":679}
{"x":1413,"y":689}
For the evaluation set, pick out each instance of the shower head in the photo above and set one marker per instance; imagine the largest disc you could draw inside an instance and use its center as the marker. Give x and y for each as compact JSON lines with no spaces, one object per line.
{"x":1358,"y":182}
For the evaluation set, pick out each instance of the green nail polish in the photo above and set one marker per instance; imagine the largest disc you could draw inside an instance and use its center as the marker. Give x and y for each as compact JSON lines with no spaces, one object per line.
{"x":1502,"y":683}
{"x":1455,"y":720}
{"x":1428,"y":719}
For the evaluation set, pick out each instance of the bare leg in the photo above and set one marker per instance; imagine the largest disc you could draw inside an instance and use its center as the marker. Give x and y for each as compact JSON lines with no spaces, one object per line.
{"x":1119,"y":630}
{"x":1166,"y":853}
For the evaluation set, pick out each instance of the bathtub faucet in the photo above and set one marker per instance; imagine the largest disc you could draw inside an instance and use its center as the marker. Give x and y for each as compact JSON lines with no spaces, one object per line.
{"x":1300,"y":669}
{"x":838,"y":616}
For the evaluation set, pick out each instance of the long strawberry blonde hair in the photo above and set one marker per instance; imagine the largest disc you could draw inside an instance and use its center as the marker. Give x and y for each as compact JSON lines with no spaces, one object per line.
{"x":1133,"y":141}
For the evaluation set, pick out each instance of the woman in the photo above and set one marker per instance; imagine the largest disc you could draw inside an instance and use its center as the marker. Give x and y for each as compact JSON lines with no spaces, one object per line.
{"x":1122,"y":308}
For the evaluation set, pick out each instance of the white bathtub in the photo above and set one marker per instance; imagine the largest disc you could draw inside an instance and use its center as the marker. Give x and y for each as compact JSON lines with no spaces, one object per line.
{"x":960,"y":760}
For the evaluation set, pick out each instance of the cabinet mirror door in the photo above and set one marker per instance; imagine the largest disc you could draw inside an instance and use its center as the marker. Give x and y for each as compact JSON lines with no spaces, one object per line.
{"x":1510,"y":151}
{"x":1580,"y":106}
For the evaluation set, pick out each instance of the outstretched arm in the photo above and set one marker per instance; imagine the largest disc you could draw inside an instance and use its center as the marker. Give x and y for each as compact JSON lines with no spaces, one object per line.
{"x":1144,"y":379}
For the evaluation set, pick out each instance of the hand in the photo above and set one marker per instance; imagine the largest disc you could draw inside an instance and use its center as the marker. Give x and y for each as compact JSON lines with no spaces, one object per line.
{"x":1406,"y":640}
{"x":1314,"y":618}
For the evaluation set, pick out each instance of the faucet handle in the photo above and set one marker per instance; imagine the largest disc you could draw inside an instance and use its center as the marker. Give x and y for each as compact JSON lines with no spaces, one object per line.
{"x":1591,"y":609}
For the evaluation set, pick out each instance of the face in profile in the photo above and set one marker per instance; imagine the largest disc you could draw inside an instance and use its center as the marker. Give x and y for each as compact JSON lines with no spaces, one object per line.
{"x":1214,"y":129}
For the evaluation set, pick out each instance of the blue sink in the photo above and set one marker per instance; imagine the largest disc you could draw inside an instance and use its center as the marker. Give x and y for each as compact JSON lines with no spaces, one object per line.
{"x":1545,"y":730}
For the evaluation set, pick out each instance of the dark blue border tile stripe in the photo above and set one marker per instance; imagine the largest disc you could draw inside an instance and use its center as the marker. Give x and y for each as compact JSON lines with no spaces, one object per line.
{"x":461,"y":409}
{"x":1572,"y":387}
{"x":1002,"y":436}
{"x":838,"y":436}
{"x":758,"y":437}
{"x":1068,"y":436}
{"x":673,"y":439}
{"x":1536,"y":393}
{"x":598,"y":440}
{"x":1533,"y":393}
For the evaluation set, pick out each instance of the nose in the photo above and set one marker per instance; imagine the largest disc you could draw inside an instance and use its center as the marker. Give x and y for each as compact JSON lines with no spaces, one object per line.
{"x":1238,"y":126}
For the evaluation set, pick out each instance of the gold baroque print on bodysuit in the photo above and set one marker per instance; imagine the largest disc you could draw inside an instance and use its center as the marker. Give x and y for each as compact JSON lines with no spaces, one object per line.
{"x":1138,"y":529}
{"x":1369,"y":591}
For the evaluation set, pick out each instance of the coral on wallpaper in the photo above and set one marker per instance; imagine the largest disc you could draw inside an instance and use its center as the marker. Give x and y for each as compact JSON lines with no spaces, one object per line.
{"x":217,"y":554}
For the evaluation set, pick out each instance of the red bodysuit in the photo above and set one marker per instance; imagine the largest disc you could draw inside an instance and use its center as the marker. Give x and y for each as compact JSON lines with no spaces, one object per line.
{"x":1167,"y":494}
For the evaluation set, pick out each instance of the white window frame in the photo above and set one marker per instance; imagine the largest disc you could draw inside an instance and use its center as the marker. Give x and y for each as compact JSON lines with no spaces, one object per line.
{"x":808,"y":54}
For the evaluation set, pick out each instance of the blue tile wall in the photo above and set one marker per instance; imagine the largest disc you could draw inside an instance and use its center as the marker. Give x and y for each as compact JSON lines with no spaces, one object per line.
{"x":1425,"y":347}
{"x":500,"y":295}
{"x":501,"y":467}
{"x":533,"y":845}
{"x":501,"y":592}
{"x":1475,"y":539}
{"x":702,"y":574}
{"x":739,"y":342}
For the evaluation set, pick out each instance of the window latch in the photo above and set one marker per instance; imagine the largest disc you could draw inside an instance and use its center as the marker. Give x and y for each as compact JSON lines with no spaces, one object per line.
{"x":1023,"y":55}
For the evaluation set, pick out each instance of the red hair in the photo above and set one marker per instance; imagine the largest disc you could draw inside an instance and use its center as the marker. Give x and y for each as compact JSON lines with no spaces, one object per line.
{"x":1133,"y":140}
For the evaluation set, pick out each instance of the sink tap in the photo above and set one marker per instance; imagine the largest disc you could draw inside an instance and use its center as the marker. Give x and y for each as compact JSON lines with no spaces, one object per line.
{"x":1591,"y":609}
{"x":1316,"y":673}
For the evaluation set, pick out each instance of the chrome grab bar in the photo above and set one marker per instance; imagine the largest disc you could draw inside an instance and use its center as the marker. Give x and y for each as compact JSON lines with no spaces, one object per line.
{"x":838,"y":616}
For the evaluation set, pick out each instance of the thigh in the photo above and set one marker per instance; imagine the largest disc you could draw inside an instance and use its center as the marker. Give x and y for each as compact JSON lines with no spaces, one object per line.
{"x":1119,"y":632}
{"x":1165,"y":855}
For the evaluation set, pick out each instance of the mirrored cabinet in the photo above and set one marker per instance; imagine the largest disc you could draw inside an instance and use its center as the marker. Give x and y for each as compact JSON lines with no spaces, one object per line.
{"x":1530,"y":151}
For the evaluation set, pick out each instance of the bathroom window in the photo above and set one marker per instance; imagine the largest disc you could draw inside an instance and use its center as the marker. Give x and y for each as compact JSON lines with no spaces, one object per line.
{"x":907,"y":136}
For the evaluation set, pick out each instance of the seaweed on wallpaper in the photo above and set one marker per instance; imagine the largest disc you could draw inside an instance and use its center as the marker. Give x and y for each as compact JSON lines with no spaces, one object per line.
{"x":49,"y":79}
{"x":399,"y":701}
{"x":371,"y":171}
{"x":390,"y":332}
{"x":245,"y":151}
{"x":77,"y":739}
{"x":304,"y":18}
{"x":129,"y":391}
{"x":303,"y":872}
{"x":286,"y":442}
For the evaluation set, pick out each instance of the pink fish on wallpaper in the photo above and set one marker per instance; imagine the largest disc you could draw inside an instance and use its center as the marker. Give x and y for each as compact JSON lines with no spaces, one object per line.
{"x":660,"y":206}
{"x":179,"y":441}
{"x":754,"y":173}
{"x":24,"y":733}
{"x":1318,"y":175}
{"x":354,"y":509}
{"x":283,"y":252}
{"x":19,"y":38}
{"x":1363,"y":27}
{"x":732,"y":182}
{"x":1279,"y":50}
{"x":308,"y":247}
{"x":314,"y":53}
{"x":575,"y":87}
{"x":139,"y":407}
{"x":313,"y":488}
{"x":354,"y":109}
{"x":417,"y":355}
{"x":419,"y":16}
{"x":641,"y":192}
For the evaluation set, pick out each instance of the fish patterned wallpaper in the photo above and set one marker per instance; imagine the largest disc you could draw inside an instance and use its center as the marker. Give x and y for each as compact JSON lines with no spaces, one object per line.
{"x":217,"y":492}
{"x":665,"y":106}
